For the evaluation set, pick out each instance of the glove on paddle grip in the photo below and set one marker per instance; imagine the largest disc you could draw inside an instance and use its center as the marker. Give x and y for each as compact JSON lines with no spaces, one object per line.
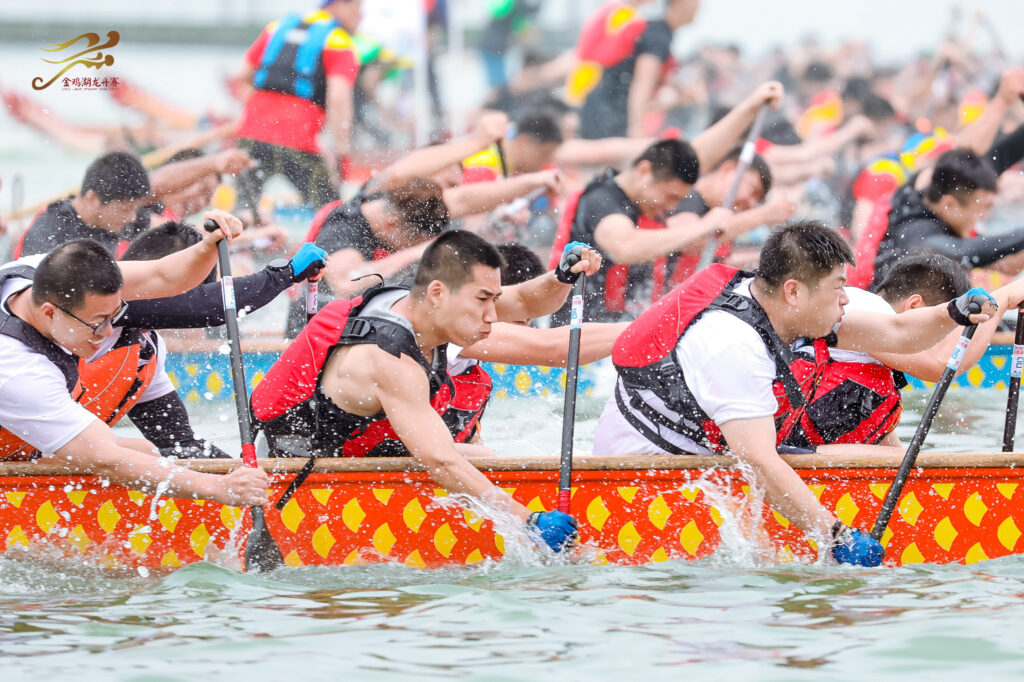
{"x":571,"y":255}
{"x":969,"y":304}
{"x":308,"y":261}
{"x":855,"y":547}
{"x":554,"y":528}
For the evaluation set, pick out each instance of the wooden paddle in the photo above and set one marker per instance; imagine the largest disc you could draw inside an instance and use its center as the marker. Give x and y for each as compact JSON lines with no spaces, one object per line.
{"x":922,"y":429}
{"x":572,"y":368}
{"x":707,"y":256}
{"x":261,"y":551}
{"x":1016,"y":365}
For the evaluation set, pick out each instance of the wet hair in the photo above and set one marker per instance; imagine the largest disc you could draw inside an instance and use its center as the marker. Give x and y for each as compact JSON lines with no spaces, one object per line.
{"x":936,"y":278}
{"x":116,"y":176}
{"x":672,"y":160}
{"x":163,"y":240}
{"x":540,"y":128}
{"x":877,"y":108}
{"x":451,"y":258}
{"x":518,"y":264}
{"x":72,"y":270}
{"x":757,"y":164}
{"x":806,"y":251}
{"x":959,"y":173}
{"x":419,"y":204}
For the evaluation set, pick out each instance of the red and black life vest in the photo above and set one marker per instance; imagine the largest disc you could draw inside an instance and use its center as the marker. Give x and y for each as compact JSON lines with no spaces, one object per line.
{"x":619,"y":288}
{"x":651,"y":391}
{"x":292,"y":61}
{"x":13,"y":448}
{"x":472,"y":390}
{"x":608,"y":37}
{"x":288,"y":401}
{"x":114,"y":382}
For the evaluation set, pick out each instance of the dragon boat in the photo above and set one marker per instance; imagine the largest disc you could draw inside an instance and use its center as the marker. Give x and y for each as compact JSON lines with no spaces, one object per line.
{"x":632,"y":510}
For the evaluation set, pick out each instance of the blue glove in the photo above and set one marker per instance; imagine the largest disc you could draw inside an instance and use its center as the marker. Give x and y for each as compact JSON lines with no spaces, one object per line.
{"x":571,"y":255}
{"x":971,"y":302}
{"x":307,"y":262}
{"x":856,"y":547}
{"x":556,"y":529}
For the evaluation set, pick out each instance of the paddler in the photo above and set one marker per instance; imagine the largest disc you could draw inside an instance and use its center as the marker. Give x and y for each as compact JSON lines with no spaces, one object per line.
{"x":368,"y":377}
{"x":67,"y":311}
{"x":302,"y":69}
{"x":710,"y":367}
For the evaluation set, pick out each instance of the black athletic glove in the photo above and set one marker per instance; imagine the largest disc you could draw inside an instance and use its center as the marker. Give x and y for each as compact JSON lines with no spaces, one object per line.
{"x":571,"y":255}
{"x":309,"y":260}
{"x":970,"y":303}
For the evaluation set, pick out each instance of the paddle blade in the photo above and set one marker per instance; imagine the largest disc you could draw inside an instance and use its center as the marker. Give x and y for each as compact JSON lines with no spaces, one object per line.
{"x":261,"y":551}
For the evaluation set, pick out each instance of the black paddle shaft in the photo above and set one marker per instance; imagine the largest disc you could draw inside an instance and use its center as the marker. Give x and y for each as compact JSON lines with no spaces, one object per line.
{"x":1016,"y":366}
{"x":261,"y":551}
{"x":927,"y":418}
{"x":569,"y":410}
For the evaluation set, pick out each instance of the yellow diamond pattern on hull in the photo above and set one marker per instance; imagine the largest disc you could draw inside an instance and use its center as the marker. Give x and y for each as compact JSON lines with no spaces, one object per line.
{"x":628,"y":493}
{"x":691,"y":537}
{"x":321,"y":495}
{"x":352,"y":514}
{"x":293,"y":559}
{"x":383,"y":539}
{"x":444,"y":540}
{"x":910,"y":509}
{"x":783,"y":521}
{"x":415,"y":560}
{"x":975,"y":508}
{"x":108,"y":516}
{"x":198,"y":539}
{"x":912,"y":555}
{"x":46,"y":517}
{"x":659,"y":555}
{"x":352,"y":559}
{"x":292,"y":515}
{"x":474,"y":557}
{"x":77,"y":497}
{"x":230,"y":516}
{"x":690,"y":492}
{"x":139,"y":540}
{"x":169,"y":515}
{"x":79,"y":538}
{"x":658,"y":512}
{"x":945,"y":533}
{"x":323,"y":540}
{"x":817,"y":489}
{"x":472,"y":520}
{"x":413,"y":515}
{"x":879,"y":490}
{"x":535,"y":505}
{"x":629,"y":538}
{"x":597,"y":513}
{"x":170,"y":559}
{"x":1006,"y":489}
{"x":943,"y":489}
{"x":15,"y":498}
{"x":383,"y":494}
{"x":1008,"y":533}
{"x":975,"y":554}
{"x":16,"y":537}
{"x":846,"y":509}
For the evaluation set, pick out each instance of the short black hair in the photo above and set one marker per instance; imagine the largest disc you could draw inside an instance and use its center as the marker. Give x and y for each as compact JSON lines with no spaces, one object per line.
{"x":419,"y":204}
{"x":877,"y":108}
{"x":72,"y":270}
{"x":959,"y":173}
{"x":116,"y":176}
{"x":806,"y":251}
{"x":451,"y":259}
{"x":540,"y":127}
{"x":757,"y":164}
{"x":519,"y":263}
{"x":857,"y":89}
{"x":818,"y":72}
{"x":672,"y":160}
{"x":936,"y":278}
{"x":162,"y":240}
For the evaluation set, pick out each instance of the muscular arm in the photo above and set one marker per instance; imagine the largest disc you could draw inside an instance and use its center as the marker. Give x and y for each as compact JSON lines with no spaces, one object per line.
{"x":204,"y":305}
{"x":752,"y":441}
{"x":518,"y":345}
{"x":610,"y":150}
{"x":404,"y":394}
{"x":911,"y":331}
{"x":624,"y":243}
{"x":480,"y":197}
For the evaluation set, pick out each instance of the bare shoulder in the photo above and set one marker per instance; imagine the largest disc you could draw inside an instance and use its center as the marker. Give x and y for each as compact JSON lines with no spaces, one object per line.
{"x":374,"y":366}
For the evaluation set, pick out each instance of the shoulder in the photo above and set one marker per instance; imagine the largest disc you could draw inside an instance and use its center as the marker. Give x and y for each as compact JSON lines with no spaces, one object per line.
{"x":717,"y":334}
{"x":22,"y":367}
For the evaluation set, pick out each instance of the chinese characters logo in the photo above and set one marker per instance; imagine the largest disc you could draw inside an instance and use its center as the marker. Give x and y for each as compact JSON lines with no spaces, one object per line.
{"x":92,"y":56}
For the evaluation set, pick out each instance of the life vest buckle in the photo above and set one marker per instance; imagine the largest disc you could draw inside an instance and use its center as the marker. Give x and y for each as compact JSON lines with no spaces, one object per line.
{"x":358,"y":328}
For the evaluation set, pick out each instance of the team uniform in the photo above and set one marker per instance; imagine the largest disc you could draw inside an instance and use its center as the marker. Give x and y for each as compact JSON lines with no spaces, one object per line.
{"x":293,"y":58}
{"x":59,"y":223}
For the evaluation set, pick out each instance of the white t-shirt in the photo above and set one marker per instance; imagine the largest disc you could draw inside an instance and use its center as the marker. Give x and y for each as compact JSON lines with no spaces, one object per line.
{"x":457,"y":364}
{"x":34,"y":401}
{"x":729,"y":371}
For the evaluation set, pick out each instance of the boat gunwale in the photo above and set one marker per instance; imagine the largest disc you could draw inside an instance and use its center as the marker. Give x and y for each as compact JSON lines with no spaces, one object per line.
{"x":934,"y":460}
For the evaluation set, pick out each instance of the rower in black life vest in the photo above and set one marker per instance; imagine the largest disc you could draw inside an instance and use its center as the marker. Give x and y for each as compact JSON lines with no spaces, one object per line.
{"x":623,"y":214}
{"x":128,"y":377}
{"x":710,"y":367}
{"x":367,"y":377}
{"x":67,"y":312}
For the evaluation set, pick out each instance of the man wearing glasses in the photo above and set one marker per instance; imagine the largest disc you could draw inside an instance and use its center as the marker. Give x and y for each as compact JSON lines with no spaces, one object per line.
{"x":59,"y":308}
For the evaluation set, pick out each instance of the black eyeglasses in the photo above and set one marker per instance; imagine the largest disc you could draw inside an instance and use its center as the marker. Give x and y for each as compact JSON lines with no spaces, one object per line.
{"x":100,"y":328}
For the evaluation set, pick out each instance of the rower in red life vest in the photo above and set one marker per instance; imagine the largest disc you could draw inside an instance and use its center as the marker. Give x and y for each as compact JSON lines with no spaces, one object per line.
{"x":367,"y":376}
{"x":710,"y":367}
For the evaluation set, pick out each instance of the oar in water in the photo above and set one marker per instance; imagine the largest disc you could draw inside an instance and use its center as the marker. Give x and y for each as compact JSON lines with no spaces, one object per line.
{"x":261,"y":551}
{"x":746,"y":157}
{"x":572,"y":368}
{"x":1016,"y":366}
{"x":922,"y":429}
